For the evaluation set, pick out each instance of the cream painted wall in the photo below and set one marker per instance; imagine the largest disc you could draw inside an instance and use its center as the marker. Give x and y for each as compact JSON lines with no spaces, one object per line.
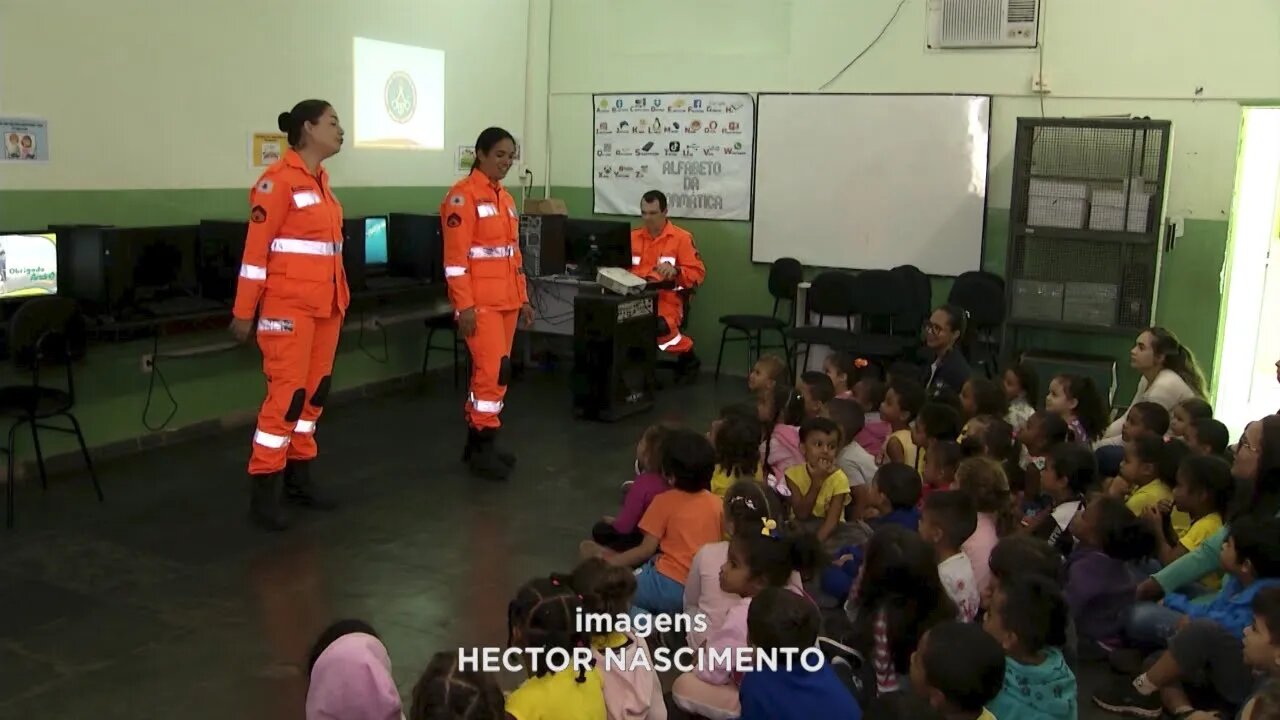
{"x":1188,"y":61}
{"x":162,"y":94}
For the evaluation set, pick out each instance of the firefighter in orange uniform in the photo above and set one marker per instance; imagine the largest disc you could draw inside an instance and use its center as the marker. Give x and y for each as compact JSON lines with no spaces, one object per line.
{"x":664,"y":253}
{"x":292,"y":281}
{"x":485,"y":273}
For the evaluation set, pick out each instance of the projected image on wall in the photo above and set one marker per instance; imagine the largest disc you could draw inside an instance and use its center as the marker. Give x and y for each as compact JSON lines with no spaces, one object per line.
{"x":28,"y":265}
{"x":399,"y":96}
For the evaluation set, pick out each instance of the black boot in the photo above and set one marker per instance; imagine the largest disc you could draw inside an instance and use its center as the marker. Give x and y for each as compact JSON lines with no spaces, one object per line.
{"x":688,"y":366}
{"x":300,"y":489}
{"x":265,"y":507}
{"x":484,"y":461}
{"x":508,"y":459}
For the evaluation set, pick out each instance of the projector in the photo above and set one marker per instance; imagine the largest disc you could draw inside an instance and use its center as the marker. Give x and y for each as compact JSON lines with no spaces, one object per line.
{"x":620,"y":281}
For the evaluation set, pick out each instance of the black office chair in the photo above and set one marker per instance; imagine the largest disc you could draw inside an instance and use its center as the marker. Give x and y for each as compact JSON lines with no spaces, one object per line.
{"x":982,"y":294}
{"x":785,"y":276}
{"x":445,"y":323}
{"x":830,"y":294}
{"x":43,"y":332}
{"x":909,"y":322}
{"x":880,"y":298}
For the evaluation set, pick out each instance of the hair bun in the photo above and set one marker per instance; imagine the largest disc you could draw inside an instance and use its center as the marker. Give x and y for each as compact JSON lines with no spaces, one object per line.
{"x":284,"y":121}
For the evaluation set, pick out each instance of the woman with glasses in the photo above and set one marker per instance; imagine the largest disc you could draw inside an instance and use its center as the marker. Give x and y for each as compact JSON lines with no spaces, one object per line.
{"x":942,"y":335}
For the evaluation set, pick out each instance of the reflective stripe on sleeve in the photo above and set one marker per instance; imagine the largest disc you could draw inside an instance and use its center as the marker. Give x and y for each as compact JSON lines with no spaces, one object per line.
{"x":253,"y":272}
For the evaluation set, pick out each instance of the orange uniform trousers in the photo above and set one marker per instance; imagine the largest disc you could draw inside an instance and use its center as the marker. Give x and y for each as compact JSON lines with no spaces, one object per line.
{"x":490,"y":347}
{"x":297,"y":359}
{"x":671,"y":310}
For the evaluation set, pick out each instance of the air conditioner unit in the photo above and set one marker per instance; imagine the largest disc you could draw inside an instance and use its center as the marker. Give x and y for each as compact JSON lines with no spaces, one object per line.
{"x":968,"y":24}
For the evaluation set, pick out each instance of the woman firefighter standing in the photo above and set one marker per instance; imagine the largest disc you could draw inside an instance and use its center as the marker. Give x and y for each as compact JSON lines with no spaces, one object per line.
{"x":484,"y":270}
{"x":293,"y":282}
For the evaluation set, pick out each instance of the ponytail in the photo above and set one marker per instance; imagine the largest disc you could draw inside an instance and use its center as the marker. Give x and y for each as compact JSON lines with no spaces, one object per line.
{"x":772,"y":555}
{"x":1178,"y":358}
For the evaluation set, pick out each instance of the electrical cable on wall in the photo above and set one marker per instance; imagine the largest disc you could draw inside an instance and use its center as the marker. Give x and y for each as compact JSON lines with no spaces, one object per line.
{"x":360,"y":342}
{"x":158,"y":374}
{"x":866,"y":49}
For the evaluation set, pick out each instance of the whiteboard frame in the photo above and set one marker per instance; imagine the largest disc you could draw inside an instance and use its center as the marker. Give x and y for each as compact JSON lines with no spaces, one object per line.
{"x":986,"y":190}
{"x":755,"y":133}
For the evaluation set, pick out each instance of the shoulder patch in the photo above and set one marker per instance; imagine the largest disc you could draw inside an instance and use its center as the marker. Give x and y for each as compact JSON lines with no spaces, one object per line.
{"x":453,"y":221}
{"x":259,"y":214}
{"x":457,"y":200}
{"x":266,"y":186}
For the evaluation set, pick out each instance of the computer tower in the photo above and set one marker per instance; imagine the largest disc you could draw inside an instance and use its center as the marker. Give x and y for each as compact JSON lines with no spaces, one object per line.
{"x":353,"y":231}
{"x":614,"y":353}
{"x":415,"y":247}
{"x":542,"y":244}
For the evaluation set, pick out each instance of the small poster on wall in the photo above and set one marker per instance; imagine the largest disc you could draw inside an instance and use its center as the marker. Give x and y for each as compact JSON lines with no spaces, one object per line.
{"x":26,"y":140}
{"x":266,"y":148}
{"x":695,"y":147}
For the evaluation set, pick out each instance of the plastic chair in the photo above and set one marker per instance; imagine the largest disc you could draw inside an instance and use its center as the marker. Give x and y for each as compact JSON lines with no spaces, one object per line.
{"x":42,"y":333}
{"x":785,"y":276}
{"x":444,"y":323}
{"x":982,"y":294}
{"x":830,"y":294}
{"x":880,"y":298}
{"x":909,"y":323}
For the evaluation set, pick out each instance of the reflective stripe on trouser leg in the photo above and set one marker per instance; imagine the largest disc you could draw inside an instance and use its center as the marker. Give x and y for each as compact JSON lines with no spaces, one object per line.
{"x":490,"y":343}
{"x":286,"y":353}
{"x":673,"y":341}
{"x":319,"y":368}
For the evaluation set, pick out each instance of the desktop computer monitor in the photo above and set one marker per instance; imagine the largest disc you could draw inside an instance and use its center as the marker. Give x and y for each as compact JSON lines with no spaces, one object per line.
{"x":28,"y":264}
{"x":593,"y":244}
{"x":221,"y":250}
{"x":415,"y":246}
{"x":375,"y":241}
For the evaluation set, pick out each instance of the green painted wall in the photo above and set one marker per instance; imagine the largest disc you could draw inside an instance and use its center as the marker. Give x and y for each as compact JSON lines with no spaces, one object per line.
{"x":1189,"y":289}
{"x":113,"y":389}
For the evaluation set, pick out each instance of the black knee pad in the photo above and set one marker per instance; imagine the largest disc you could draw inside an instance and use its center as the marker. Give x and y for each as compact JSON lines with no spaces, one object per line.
{"x":504,"y":371}
{"x":295,"y":405}
{"x":322,"y":392}
{"x":663,"y":328}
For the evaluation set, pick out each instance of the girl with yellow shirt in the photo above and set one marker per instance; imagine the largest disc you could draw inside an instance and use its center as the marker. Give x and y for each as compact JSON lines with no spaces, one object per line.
{"x":1203,"y":490}
{"x":542,"y":615}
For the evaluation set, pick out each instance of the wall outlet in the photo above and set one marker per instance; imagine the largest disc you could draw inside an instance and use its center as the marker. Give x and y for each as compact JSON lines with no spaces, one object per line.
{"x":147,"y":364}
{"x":1039,"y":85}
{"x":1179,"y":226}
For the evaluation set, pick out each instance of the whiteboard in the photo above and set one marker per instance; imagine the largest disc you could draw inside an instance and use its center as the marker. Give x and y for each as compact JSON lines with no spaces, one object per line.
{"x":694,"y":147}
{"x":871,"y":181}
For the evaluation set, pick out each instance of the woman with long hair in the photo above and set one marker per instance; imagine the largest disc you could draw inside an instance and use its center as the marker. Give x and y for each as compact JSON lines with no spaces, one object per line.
{"x":1169,"y":372}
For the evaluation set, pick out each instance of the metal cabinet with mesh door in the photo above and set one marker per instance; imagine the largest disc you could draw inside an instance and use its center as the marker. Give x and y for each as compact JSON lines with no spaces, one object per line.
{"x":1085,"y":226}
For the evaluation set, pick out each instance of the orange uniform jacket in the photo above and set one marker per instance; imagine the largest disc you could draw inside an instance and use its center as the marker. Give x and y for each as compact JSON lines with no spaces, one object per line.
{"x":673,"y":245}
{"x":482,"y":261}
{"x":293,"y":252}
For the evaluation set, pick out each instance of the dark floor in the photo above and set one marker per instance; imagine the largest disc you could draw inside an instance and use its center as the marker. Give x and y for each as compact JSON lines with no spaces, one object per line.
{"x":164,"y":603}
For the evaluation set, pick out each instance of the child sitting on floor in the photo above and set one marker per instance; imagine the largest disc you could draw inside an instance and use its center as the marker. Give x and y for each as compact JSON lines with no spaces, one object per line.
{"x":895,"y":501}
{"x":747,"y":505}
{"x":1044,"y":432}
{"x":760,"y":556}
{"x":769,"y":372}
{"x":735,"y":435}
{"x":1206,"y":647}
{"x":819,"y":490}
{"x":869,"y":392}
{"x":778,"y":620}
{"x":1100,"y":583}
{"x":446,"y":691}
{"x":620,"y":533}
{"x":940,"y":465}
{"x":676,"y":525}
{"x":1204,"y":489}
{"x":1076,"y":400}
{"x":544,"y":615}
{"x":1207,"y":436}
{"x":632,"y":690}
{"x":937,"y":421}
{"x":959,"y":668}
{"x":782,"y":413}
{"x":350,"y":673}
{"x":902,"y":402}
{"x":1020,"y":386}
{"x":858,"y":464}
{"x":1185,"y":413}
{"x":982,"y":480}
{"x":947,"y":521}
{"x":816,"y":390}
{"x":1028,"y":617}
{"x":1071,"y":471}
{"x":1262,"y":655}
{"x":980,"y":396}
{"x":842,"y":368}
{"x":994,"y":438}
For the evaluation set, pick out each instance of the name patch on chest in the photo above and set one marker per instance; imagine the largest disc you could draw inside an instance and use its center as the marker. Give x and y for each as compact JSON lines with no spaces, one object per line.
{"x":305,"y":198}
